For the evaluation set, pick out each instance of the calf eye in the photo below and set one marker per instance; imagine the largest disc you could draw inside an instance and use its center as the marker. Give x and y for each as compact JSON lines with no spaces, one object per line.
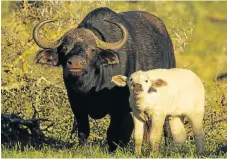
{"x":146,"y":81}
{"x":130,"y":79}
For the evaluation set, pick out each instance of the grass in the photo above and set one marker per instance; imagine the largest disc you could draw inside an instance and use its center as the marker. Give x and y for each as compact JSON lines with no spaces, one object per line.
{"x":200,"y":45}
{"x":95,"y":150}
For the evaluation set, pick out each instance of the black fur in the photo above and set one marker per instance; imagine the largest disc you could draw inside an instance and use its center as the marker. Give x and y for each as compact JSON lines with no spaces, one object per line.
{"x":222,"y":76}
{"x":151,"y":89}
{"x":90,"y":92}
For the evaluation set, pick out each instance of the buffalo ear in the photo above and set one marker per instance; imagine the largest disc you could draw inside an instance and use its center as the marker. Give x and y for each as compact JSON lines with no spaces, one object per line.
{"x":107,"y":57}
{"x":119,"y":80}
{"x":158,"y":83}
{"x":47,"y":56}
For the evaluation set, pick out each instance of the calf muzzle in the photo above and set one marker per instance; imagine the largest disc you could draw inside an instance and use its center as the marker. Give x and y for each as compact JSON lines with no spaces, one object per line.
{"x":137,"y":88}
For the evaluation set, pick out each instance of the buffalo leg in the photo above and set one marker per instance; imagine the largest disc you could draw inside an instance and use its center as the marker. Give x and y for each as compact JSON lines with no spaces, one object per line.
{"x":80,"y":116}
{"x":74,"y":129}
{"x":167,"y":132}
{"x":120,"y":130}
{"x":126,"y":129}
{"x":83,"y":126}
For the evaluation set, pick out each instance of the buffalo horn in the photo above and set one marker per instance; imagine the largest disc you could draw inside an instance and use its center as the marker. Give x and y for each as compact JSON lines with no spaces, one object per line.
{"x":116,"y":45}
{"x":40,"y":42}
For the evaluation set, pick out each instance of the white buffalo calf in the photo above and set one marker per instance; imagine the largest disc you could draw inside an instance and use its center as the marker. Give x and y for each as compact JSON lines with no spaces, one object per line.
{"x":161,"y":93}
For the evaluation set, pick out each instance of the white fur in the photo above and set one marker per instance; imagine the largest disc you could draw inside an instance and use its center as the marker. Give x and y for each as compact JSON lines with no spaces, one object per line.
{"x":183,"y":95}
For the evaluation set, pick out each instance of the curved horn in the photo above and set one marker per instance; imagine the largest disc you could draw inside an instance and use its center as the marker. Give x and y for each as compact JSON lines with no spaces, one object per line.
{"x":116,"y":45}
{"x":40,"y":42}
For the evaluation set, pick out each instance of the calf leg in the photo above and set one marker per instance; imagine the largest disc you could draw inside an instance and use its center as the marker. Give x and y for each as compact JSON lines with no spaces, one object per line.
{"x":138,"y":134}
{"x":177,"y":129}
{"x":156,"y":130}
{"x":197,"y":125}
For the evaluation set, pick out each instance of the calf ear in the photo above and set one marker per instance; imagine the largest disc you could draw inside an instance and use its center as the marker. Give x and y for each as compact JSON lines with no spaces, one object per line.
{"x":107,"y":57}
{"x":119,"y":80}
{"x":158,"y":83}
{"x":47,"y":56}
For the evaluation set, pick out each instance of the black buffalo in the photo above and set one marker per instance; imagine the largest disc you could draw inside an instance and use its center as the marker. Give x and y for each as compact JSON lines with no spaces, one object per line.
{"x":103,"y":45}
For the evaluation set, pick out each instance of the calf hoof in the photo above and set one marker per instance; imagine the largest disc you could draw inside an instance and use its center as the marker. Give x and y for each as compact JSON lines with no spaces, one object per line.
{"x":200,"y":153}
{"x":185,"y":150}
{"x":155,"y":154}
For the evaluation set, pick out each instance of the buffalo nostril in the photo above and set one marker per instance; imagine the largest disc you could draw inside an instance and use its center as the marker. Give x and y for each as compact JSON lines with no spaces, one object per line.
{"x":82,"y":62}
{"x":69,"y":62}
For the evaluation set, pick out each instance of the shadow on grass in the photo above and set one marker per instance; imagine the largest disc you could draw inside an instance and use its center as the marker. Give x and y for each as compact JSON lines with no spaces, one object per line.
{"x":17,"y":133}
{"x":222,"y":149}
{"x":20,"y":133}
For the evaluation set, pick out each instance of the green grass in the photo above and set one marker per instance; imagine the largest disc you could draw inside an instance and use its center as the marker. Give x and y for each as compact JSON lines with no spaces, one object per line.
{"x":95,"y":150}
{"x":200,"y":45}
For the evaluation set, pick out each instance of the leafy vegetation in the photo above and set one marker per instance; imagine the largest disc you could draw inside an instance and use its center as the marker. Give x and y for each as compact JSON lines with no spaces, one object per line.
{"x":198,"y":31}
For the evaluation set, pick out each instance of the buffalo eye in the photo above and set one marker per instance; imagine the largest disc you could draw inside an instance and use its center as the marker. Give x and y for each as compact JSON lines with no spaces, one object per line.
{"x":94,"y":49}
